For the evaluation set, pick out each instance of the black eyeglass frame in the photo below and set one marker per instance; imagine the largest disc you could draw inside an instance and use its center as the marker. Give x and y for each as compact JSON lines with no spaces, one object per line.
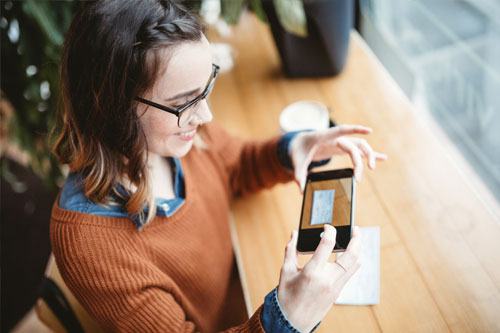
{"x":178,"y":111}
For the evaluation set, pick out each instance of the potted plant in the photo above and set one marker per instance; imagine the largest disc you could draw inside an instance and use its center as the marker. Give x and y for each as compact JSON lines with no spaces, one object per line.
{"x":322,"y":51}
{"x":312,"y":36}
{"x":31,"y":35}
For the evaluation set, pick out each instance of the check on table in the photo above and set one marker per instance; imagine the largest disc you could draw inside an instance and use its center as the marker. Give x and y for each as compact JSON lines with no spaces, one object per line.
{"x":439,"y":225}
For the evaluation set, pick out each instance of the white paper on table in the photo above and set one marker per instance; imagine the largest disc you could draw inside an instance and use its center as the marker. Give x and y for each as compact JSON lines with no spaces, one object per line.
{"x":364,"y":286}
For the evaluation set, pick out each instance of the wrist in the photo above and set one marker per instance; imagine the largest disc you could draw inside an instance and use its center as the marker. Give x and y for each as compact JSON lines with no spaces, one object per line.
{"x":285,"y":150}
{"x":295,"y":321}
{"x":273,"y":318}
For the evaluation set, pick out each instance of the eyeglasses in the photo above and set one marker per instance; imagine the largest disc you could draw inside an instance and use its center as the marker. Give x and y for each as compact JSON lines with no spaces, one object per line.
{"x":186,"y":111}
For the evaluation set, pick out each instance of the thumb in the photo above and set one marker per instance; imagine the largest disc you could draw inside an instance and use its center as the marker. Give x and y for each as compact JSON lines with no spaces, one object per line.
{"x":290,"y":265}
{"x":302,"y":167}
{"x":300,"y":179}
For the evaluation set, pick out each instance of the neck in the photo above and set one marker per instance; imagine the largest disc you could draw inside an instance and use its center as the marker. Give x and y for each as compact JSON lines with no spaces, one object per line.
{"x":160,"y":175}
{"x":162,"y":180}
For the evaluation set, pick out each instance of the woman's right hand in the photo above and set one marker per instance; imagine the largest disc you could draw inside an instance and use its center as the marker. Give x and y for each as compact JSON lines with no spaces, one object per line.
{"x":307,"y":294}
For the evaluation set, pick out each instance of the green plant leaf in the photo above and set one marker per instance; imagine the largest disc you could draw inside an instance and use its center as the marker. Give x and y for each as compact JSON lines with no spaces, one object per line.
{"x":256,"y":7}
{"x":292,"y":16}
{"x":42,"y":25}
{"x":231,"y":10}
{"x":43,"y":15}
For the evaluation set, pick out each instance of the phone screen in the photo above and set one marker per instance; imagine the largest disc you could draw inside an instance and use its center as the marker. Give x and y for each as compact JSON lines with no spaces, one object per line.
{"x":327,"y":201}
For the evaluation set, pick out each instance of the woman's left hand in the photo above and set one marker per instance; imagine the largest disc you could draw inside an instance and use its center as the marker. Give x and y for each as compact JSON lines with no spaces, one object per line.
{"x":319,"y":145}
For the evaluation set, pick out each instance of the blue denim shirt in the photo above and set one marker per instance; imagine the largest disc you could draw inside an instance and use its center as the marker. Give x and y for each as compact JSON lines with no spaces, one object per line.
{"x":72,"y":198}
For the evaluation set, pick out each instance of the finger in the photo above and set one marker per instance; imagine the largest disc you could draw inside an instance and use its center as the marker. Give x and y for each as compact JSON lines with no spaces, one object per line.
{"x":341,"y":130}
{"x":324,"y":249}
{"x":350,"y":257}
{"x":368,"y":152}
{"x":302,"y":168}
{"x":381,"y":156}
{"x":355,"y":241}
{"x":355,"y":154}
{"x":300,"y":177}
{"x":291,"y":264}
{"x":341,"y":278}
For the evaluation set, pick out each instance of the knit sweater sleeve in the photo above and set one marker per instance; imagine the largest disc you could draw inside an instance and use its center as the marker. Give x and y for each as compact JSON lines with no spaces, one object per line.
{"x":121,"y":289}
{"x":248,"y":165}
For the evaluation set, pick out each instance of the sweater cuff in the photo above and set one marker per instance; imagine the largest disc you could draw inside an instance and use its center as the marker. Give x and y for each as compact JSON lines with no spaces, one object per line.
{"x":274,"y":319}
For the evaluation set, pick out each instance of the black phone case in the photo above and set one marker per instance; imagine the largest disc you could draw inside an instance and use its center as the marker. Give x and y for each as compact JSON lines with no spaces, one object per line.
{"x":308,"y":239}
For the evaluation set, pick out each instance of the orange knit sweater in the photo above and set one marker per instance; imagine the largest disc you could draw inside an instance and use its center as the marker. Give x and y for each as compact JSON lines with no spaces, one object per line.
{"x":173,"y":275}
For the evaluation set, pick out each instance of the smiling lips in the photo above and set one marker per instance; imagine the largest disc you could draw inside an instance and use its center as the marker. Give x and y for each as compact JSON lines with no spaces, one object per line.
{"x":186,"y":135}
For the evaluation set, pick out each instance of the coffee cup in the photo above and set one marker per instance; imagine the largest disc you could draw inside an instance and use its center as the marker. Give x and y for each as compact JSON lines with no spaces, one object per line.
{"x":304,"y":115}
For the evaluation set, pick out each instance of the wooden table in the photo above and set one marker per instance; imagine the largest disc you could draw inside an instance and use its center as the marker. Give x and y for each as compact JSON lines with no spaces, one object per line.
{"x":440,"y":227}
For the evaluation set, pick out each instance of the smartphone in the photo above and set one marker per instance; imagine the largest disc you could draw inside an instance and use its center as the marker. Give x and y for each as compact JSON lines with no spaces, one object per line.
{"x":328,"y":199}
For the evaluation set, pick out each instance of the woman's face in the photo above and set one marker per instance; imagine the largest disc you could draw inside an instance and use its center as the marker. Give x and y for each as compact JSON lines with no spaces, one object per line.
{"x":188,"y":69}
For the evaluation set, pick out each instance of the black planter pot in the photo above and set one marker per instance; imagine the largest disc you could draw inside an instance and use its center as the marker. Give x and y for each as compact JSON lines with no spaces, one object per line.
{"x":323,"y":52}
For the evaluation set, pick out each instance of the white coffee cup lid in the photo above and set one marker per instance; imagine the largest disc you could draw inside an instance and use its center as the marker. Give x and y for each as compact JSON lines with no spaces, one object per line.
{"x":303,"y":115}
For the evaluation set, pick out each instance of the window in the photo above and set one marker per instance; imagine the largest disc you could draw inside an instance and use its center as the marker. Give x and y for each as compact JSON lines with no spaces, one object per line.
{"x":445,"y":55}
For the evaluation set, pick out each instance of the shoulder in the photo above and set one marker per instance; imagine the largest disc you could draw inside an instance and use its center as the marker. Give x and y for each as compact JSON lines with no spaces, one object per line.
{"x":81,"y":230}
{"x":73,"y":198}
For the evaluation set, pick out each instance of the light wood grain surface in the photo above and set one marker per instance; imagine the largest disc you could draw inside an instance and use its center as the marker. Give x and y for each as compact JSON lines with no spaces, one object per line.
{"x":440,"y":227}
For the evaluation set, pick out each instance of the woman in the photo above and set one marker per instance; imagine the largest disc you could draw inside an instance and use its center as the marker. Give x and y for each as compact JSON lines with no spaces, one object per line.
{"x":139,"y":230}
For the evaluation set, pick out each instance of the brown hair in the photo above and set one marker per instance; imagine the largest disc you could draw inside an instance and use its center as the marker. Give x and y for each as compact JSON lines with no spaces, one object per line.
{"x":110,"y":55}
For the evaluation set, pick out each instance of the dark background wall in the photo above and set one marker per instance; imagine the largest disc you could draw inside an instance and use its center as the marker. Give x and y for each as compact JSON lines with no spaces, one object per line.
{"x":25,"y":245}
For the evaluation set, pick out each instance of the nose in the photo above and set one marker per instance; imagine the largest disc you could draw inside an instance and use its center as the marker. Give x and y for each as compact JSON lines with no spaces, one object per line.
{"x":203,"y":114}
